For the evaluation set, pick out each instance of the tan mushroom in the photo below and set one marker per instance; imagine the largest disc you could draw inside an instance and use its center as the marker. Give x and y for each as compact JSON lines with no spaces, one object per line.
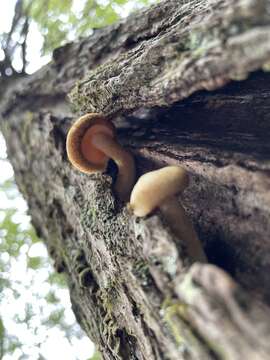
{"x":159,"y":189}
{"x":91,"y":142}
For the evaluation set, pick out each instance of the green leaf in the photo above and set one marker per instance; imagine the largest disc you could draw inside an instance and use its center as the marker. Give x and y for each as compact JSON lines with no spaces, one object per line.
{"x":2,"y":338}
{"x":55,"y":318}
{"x":35,"y":262}
{"x":57,"y":279}
{"x":51,"y":298}
{"x":96,"y":356}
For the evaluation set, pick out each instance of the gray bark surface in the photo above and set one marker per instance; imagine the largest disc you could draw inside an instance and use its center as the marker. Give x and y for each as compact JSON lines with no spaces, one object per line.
{"x":133,"y":288}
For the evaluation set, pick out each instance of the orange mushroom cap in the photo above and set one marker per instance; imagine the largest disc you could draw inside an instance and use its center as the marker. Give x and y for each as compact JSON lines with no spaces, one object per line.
{"x":81,"y":152}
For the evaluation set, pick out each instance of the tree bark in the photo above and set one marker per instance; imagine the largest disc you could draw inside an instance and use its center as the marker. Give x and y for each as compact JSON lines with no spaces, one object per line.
{"x":133,"y":288}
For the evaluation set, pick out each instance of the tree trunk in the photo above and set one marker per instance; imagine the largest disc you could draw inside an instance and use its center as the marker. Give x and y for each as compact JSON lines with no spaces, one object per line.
{"x":134,"y":290}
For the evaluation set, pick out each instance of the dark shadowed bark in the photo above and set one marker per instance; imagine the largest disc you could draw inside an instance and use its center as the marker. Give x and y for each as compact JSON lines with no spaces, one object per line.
{"x":185,"y":83}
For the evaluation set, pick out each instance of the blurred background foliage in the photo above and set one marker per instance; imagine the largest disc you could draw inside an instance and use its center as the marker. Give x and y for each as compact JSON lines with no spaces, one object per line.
{"x":36,"y":321}
{"x":58,"y":21}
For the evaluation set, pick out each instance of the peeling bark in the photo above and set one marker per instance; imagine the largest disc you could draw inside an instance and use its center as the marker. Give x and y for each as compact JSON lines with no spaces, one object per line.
{"x":133,"y":288}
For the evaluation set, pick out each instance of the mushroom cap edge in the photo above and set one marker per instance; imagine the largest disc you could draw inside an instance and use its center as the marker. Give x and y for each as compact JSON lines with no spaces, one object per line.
{"x":74,"y":139}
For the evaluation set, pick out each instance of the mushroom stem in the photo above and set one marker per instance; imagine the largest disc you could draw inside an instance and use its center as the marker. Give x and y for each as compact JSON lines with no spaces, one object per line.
{"x":181,"y":225}
{"x":123,"y":159}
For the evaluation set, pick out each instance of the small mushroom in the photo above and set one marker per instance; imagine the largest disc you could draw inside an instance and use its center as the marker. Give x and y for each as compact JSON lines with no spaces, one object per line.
{"x":159,"y":189}
{"x":91,"y":142}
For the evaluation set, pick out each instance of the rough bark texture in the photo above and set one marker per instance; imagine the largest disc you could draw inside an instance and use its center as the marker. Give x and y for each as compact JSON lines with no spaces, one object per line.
{"x":133,"y":288}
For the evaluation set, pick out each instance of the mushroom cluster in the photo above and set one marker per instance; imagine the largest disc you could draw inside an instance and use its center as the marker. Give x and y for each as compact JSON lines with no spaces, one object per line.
{"x":91,"y":142}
